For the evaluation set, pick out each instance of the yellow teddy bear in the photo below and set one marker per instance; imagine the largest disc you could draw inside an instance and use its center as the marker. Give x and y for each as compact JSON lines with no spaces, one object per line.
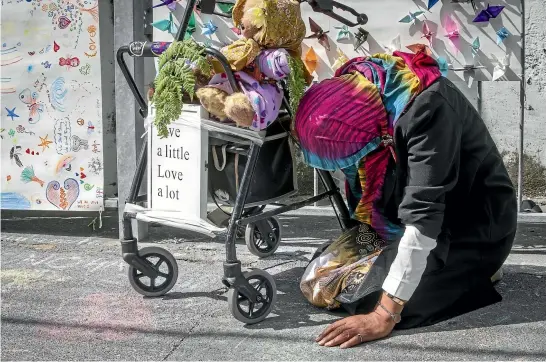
{"x":272,"y":33}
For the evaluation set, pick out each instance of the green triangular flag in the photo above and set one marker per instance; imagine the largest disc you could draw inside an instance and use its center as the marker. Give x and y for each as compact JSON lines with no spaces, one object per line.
{"x":166,"y":25}
{"x":162,"y":25}
{"x":226,"y":8}
{"x":191,"y":27}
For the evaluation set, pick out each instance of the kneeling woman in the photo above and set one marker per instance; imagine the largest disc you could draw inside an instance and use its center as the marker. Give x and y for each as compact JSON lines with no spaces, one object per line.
{"x":436,"y":208}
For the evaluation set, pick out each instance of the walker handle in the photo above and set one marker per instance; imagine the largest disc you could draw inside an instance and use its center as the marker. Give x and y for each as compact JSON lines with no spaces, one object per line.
{"x":326,"y":7}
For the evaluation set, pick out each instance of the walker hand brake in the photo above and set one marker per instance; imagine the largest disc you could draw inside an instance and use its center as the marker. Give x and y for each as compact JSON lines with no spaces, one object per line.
{"x":326,"y":7}
{"x":209,"y":6}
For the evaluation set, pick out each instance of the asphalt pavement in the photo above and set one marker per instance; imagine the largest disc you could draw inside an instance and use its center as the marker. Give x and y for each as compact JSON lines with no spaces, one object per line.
{"x":66,"y":296}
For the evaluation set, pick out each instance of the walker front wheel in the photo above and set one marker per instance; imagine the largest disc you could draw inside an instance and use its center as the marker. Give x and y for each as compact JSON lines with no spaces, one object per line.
{"x":164,"y":263}
{"x":263,"y":245}
{"x":245,"y":311}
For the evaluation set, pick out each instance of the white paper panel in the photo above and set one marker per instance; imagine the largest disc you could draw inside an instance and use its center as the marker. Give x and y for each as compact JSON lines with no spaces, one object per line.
{"x":51,"y":116}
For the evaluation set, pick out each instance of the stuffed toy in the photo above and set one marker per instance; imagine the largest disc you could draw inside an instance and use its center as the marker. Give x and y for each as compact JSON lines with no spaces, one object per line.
{"x":269,"y":50}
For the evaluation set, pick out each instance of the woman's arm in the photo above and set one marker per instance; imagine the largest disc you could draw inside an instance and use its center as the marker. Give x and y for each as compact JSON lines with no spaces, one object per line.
{"x":433,"y":135}
{"x":410,"y":263}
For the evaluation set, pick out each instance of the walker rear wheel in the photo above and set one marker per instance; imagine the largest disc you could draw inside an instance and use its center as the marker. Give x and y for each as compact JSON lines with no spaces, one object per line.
{"x":164,"y":263}
{"x":245,"y":311}
{"x":263,"y":245}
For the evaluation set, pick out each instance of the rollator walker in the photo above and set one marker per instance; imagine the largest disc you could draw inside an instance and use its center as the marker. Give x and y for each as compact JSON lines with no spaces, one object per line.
{"x":153,"y":271}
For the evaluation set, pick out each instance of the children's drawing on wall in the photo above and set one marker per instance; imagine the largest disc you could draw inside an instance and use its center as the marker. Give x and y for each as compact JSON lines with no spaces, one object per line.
{"x":51,"y":99}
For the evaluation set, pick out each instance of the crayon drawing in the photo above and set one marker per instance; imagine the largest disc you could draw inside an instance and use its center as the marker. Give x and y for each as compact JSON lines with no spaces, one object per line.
{"x":50,"y":84}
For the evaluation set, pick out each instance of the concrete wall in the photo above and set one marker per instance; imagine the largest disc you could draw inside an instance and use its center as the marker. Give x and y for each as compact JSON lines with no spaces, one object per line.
{"x":106,"y":27}
{"x":535,"y":104}
{"x":501,"y":108}
{"x":500,"y":104}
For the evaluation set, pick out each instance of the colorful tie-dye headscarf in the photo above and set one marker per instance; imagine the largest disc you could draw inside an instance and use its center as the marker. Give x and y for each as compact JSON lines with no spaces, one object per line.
{"x":346,"y":122}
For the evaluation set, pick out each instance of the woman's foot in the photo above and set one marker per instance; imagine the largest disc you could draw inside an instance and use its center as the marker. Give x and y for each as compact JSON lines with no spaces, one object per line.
{"x":497,"y":276}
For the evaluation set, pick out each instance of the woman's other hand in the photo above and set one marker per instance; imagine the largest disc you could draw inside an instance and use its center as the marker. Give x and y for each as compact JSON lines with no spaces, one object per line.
{"x":357,"y":329}
{"x":354,"y":330}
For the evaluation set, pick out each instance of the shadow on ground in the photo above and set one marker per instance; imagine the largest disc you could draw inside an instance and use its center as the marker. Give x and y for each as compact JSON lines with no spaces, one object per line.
{"x":78,"y":225}
{"x":529,"y":234}
{"x":523,"y":291}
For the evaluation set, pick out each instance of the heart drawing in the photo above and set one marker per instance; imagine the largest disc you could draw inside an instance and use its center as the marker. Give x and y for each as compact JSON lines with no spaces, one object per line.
{"x":64,"y":22}
{"x":85,"y":69}
{"x":63,"y":197}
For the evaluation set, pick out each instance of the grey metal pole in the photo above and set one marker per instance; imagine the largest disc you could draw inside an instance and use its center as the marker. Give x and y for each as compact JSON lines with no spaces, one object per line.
{"x":480,"y":99}
{"x":315,"y":185}
{"x":128,"y":27}
{"x":522,"y":109}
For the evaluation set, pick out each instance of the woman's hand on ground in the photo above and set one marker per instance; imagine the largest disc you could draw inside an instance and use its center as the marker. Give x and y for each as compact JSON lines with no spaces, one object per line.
{"x":354,"y":330}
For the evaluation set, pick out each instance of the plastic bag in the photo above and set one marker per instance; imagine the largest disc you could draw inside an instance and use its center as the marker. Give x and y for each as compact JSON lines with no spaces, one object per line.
{"x":342,"y":267}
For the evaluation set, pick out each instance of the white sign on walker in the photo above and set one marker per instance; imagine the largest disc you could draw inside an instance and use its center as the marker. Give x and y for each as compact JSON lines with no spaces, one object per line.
{"x":177,"y":165}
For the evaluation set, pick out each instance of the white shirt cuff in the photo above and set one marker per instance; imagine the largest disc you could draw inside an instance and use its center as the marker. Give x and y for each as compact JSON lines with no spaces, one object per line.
{"x":410,"y":263}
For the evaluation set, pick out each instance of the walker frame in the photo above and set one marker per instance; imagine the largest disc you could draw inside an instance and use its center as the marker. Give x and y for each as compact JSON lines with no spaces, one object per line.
{"x":262,"y":291}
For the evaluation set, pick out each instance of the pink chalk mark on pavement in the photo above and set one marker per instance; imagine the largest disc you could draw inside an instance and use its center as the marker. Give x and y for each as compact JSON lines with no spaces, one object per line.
{"x":102,"y":316}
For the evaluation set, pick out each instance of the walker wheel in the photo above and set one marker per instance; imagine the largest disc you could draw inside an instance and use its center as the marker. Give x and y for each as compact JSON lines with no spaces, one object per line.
{"x":162,"y":261}
{"x":250,"y":313}
{"x":240,"y":232}
{"x":258,"y":244}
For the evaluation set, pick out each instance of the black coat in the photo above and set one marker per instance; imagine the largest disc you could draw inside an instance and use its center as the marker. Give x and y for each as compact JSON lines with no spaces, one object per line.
{"x":449,"y":182}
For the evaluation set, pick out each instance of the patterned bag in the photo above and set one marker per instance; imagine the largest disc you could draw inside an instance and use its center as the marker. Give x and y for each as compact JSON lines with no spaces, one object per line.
{"x":342,"y":267}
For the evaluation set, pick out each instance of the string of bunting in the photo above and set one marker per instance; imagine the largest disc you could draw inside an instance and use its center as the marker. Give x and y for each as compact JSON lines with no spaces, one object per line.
{"x":359,"y":36}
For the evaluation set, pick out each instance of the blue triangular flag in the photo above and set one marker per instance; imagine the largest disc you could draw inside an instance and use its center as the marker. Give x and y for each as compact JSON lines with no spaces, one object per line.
{"x":502,"y":34}
{"x":431,"y":3}
{"x":443,"y":65}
